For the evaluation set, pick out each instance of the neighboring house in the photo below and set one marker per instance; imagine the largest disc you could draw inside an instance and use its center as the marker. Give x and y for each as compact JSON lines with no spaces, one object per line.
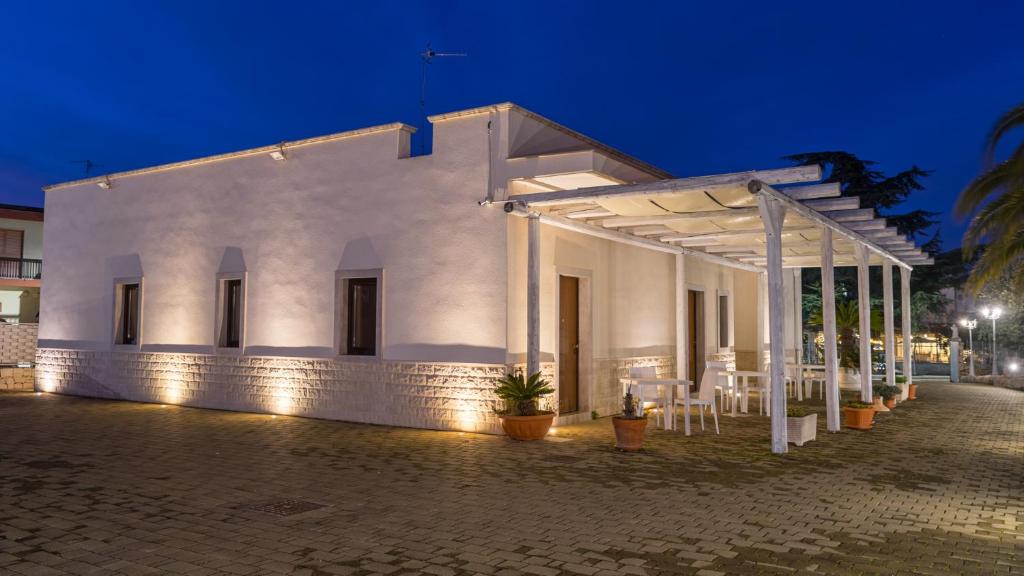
{"x":21,"y":253}
{"x":341,"y":277}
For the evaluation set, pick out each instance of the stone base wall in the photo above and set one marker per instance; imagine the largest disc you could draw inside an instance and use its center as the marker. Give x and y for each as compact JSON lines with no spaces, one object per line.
{"x":443,"y":396}
{"x":17,"y":379}
{"x":607,"y":394}
{"x":18,"y":342}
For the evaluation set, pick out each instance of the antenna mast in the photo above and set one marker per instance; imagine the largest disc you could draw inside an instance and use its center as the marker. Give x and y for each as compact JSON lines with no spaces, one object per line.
{"x":426,"y":57}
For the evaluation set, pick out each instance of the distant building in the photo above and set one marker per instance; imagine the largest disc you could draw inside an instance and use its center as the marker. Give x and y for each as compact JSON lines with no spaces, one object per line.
{"x":21,"y":253}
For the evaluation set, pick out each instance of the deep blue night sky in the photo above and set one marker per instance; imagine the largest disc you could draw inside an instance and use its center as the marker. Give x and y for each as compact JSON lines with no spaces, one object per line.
{"x":695,"y":88}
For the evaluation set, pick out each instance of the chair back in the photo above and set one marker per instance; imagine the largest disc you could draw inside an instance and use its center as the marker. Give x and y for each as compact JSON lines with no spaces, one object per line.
{"x":643,"y":372}
{"x":710,"y":379}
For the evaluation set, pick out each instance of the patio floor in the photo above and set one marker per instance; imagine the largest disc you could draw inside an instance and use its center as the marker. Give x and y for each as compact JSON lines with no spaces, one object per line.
{"x":98,"y":487}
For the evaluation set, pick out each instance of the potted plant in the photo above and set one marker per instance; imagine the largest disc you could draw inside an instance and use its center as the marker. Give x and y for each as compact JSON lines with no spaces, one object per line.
{"x":630,"y":426}
{"x":886,"y":392}
{"x":859,"y":415}
{"x":801,"y":426}
{"x":521,"y":419}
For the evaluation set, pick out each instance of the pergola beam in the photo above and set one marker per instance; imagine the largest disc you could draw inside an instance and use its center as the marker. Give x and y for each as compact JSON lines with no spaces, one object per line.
{"x":844,"y":230}
{"x":627,"y":221}
{"x":827,"y":190}
{"x":624,"y":238}
{"x":796,"y":174}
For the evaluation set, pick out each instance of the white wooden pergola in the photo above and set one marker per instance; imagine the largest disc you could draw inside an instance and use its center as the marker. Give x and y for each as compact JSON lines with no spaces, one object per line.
{"x":742,"y":220}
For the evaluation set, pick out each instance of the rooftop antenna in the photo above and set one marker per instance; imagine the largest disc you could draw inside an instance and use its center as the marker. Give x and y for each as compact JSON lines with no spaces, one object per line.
{"x":426,"y":57}
{"x":87,"y":164}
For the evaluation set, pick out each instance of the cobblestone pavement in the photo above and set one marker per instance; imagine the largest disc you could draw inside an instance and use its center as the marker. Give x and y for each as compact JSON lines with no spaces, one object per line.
{"x":99,"y":487}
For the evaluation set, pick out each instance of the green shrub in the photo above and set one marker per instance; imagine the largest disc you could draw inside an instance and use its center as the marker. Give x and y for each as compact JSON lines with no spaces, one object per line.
{"x":796,"y":411}
{"x":859,"y":404}
{"x":520,"y":394}
{"x":901,"y":379}
{"x":886,"y":391}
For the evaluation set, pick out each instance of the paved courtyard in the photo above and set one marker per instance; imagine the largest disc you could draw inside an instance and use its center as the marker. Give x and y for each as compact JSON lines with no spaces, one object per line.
{"x":97,"y":487}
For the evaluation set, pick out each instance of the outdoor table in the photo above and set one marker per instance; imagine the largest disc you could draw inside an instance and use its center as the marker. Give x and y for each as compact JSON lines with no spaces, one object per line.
{"x":799,"y":376}
{"x":668,"y":396}
{"x":743,"y":391}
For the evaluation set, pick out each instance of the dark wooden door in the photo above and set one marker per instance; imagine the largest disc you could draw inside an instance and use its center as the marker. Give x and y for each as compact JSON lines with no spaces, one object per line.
{"x":695,"y":336}
{"x":568,"y":344}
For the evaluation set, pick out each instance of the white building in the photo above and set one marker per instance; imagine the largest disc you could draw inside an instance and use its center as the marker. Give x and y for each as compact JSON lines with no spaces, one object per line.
{"x":341,"y":277}
{"x":21,"y":251}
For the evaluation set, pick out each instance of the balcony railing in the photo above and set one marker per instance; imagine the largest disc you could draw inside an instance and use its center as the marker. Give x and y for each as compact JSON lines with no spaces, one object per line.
{"x":20,"y":268}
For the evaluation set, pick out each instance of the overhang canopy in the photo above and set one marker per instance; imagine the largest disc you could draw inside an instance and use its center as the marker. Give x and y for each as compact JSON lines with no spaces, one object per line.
{"x":716,"y":218}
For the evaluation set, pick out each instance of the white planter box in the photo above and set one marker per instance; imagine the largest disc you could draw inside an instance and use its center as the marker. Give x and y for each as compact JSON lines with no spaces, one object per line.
{"x":800,"y":430}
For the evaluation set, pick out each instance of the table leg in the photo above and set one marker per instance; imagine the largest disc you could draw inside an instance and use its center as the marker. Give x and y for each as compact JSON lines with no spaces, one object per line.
{"x":686,"y":410}
{"x":746,"y":393}
{"x":734,"y":381}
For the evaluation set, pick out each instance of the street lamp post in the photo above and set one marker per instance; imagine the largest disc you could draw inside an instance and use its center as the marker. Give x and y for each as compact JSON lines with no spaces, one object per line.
{"x":993,"y":314}
{"x":970,"y":325}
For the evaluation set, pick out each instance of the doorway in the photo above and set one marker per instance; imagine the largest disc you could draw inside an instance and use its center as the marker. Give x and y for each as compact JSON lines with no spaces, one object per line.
{"x":568,"y":344}
{"x":695,"y":336}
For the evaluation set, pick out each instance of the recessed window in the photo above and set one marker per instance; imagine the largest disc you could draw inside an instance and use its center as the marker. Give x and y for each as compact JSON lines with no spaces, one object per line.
{"x":230,"y":312}
{"x":723,"y":320}
{"x":127,"y":312}
{"x":359,"y":313}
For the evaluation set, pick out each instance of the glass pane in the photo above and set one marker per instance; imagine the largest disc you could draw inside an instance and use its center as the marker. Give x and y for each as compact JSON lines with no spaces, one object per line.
{"x":362,"y":316}
{"x":129,"y":314}
{"x":723,"y":321}
{"x":232,"y":313}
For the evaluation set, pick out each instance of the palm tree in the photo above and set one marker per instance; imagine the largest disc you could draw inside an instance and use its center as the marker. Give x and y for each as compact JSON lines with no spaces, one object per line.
{"x":847,"y":327}
{"x":996,"y":197}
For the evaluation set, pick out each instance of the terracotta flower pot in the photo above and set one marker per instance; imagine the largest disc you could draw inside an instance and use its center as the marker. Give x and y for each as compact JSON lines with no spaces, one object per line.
{"x":859,"y":418}
{"x":527,"y":427}
{"x":629,"y":433}
{"x":890,"y":403}
{"x":912,"y":392}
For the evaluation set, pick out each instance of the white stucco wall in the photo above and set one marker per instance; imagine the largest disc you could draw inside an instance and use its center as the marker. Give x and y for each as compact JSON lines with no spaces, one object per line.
{"x":345,"y":204}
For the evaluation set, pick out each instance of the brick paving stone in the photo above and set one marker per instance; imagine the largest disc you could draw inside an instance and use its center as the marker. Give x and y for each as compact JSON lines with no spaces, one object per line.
{"x":100,"y":487}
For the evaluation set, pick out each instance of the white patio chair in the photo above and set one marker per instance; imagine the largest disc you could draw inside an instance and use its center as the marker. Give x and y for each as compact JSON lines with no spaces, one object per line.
{"x":812,"y":377}
{"x":648,"y":393}
{"x":705,"y":395}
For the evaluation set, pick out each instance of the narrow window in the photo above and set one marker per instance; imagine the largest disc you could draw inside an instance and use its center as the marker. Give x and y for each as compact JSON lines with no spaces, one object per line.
{"x":232,"y":313}
{"x":361,"y":313}
{"x":129,"y":328}
{"x":723,"y":321}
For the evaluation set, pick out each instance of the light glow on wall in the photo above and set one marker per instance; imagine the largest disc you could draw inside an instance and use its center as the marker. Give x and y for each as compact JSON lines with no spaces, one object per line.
{"x":283,"y":396}
{"x":466,"y":416}
{"x":174,"y":383}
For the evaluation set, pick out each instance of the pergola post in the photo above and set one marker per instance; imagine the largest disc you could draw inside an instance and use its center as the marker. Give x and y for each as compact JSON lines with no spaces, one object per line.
{"x":533,"y":295}
{"x":828,"y":309}
{"x":864,"y":309}
{"x":772,"y":214}
{"x":762,"y":318}
{"x":681,"y":332}
{"x":908,"y":362}
{"x":890,"y":330}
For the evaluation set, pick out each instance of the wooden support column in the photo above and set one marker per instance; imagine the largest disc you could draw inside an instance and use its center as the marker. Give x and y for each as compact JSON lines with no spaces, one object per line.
{"x":762,"y":318}
{"x":798,"y":332}
{"x":828,"y":309}
{"x":890,"y":330}
{"x":533,"y":295}
{"x":908,"y":362}
{"x":864,"y":308}
{"x":681,"y":332}
{"x":772,"y":214}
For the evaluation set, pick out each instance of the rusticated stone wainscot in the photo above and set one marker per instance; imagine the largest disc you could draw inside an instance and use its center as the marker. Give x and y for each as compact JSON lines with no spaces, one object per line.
{"x":443,"y":396}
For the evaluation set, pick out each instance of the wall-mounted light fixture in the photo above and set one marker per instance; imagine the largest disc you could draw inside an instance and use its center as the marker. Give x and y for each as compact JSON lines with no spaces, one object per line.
{"x":279,"y":153}
{"x":106,"y":183}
